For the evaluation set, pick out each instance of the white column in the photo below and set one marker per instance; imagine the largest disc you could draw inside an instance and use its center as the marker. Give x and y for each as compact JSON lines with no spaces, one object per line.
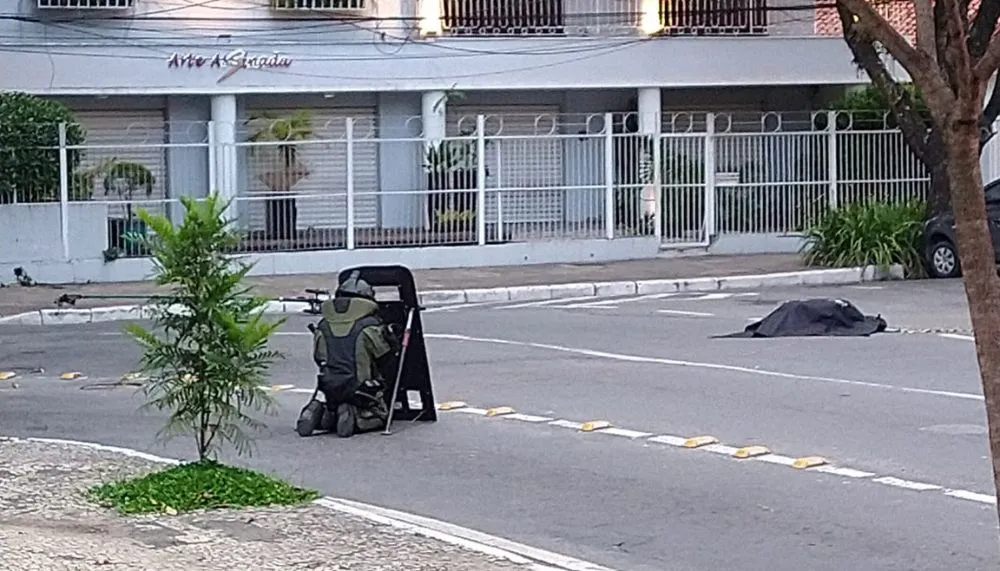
{"x":433,"y":117}
{"x":432,"y":114}
{"x":649,"y":110}
{"x":226,"y":163}
{"x":649,"y":125}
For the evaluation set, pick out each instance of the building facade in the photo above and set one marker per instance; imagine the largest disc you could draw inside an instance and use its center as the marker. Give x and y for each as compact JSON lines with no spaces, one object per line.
{"x":316,"y":116}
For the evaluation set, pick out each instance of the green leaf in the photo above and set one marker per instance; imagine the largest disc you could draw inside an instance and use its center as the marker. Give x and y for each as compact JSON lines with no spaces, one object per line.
{"x":197,"y":486}
{"x":207,"y":354}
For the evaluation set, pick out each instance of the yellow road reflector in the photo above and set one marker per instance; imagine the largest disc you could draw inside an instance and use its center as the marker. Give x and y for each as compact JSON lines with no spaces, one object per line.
{"x":594,"y":425}
{"x":452,"y":405}
{"x":808,"y":462}
{"x":7,"y":375}
{"x":499,"y":411}
{"x":699,"y":441}
{"x":751,"y":451}
{"x":71,"y":376}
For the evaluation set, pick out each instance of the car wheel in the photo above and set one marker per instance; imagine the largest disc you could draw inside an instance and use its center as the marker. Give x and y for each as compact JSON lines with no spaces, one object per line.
{"x":942,"y":260}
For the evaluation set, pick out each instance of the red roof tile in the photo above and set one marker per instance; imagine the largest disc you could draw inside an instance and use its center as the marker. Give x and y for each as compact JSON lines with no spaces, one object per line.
{"x":899,"y":13}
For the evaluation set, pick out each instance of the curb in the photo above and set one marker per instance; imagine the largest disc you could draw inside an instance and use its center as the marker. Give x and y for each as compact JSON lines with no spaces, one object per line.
{"x":493,"y":546}
{"x":839,"y":276}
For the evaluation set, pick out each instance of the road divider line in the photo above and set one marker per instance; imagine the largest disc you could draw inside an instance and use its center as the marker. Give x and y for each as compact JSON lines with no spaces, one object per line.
{"x":957,"y":336}
{"x":971,"y":496}
{"x":527,"y":417}
{"x":704,"y":365}
{"x":745,"y":454}
{"x":685,"y":313}
{"x":906,"y":484}
{"x":556,"y":301}
{"x":566,"y":424}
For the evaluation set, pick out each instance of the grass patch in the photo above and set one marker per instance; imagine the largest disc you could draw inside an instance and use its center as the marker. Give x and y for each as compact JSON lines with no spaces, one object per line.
{"x":197,"y":486}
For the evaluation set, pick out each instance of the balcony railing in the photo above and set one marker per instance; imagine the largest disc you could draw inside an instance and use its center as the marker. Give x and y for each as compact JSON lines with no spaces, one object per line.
{"x":593,"y":17}
{"x":714,"y":17}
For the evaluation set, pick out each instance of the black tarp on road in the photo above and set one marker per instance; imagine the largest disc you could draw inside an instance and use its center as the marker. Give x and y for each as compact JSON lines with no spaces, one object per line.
{"x":814,"y":318}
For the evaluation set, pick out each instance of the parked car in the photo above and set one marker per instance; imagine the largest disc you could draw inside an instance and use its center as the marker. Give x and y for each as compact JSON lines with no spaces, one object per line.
{"x":940,"y":253}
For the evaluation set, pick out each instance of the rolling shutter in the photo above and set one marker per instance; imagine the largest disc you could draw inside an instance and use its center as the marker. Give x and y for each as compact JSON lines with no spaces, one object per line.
{"x":525,"y":164}
{"x":130,"y":136}
{"x":321,"y":200}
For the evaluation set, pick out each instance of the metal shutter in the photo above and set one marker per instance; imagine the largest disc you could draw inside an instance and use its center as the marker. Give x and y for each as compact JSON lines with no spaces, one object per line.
{"x":132,"y":136}
{"x":528,"y":169}
{"x":322,"y":200}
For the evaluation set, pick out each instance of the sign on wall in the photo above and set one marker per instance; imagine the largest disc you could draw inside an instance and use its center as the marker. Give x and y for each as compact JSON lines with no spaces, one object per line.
{"x":232,"y":61}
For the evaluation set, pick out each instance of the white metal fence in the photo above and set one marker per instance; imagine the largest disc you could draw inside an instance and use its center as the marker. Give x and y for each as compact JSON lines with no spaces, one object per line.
{"x":343,"y":184}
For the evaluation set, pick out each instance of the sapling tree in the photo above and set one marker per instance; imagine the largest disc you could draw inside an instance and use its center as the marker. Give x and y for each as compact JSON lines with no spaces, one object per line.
{"x":951,"y":63}
{"x":207,"y":353}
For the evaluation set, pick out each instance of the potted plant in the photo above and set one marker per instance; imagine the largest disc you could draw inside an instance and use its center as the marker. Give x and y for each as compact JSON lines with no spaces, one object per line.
{"x":124,"y":179}
{"x":452,"y":167}
{"x":282,"y":168}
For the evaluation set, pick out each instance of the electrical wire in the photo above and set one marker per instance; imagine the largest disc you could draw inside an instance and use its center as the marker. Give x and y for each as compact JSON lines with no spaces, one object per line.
{"x":316,"y":29}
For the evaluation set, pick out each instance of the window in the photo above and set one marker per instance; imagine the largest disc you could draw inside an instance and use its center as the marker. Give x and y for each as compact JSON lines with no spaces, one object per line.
{"x":85,"y":4}
{"x":328,"y":5}
{"x":714,"y":17}
{"x":510,"y":18}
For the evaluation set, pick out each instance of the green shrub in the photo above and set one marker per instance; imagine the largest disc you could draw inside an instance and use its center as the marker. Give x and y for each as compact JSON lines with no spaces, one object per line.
{"x":29,"y":147}
{"x":863,"y":234}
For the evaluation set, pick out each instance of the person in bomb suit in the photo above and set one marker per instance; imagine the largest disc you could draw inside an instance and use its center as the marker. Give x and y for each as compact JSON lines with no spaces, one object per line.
{"x":354,"y":350}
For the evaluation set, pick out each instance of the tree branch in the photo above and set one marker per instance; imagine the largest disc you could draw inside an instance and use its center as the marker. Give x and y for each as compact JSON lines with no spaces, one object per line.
{"x":926,"y":36}
{"x":919,"y":65}
{"x":983,"y":26}
{"x":912,"y":125}
{"x":988,"y":64}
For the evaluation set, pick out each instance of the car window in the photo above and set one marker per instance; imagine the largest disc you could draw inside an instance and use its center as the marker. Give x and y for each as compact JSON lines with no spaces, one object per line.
{"x":992,"y":192}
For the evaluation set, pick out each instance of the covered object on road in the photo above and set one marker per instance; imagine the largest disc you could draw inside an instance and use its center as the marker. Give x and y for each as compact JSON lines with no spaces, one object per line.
{"x":812,"y":318}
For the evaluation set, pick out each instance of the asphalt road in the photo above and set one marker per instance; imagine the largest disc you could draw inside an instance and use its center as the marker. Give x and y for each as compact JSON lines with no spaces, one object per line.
{"x":900,"y":407}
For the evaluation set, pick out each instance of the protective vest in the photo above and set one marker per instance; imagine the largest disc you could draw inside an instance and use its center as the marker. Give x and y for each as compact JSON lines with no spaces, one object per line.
{"x":341,"y":371}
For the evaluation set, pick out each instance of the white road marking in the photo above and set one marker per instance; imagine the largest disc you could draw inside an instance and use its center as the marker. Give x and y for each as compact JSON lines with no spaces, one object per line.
{"x":655,"y":296}
{"x":463,"y":537}
{"x":624,"y":432}
{"x":567,"y":424}
{"x":704,"y":365}
{"x":972,"y":496}
{"x":547,"y":302}
{"x":527,"y":417}
{"x":669,"y":440}
{"x":907,"y":484}
{"x":458,"y":306}
{"x":776,"y":459}
{"x":472,"y":410}
{"x":647,"y":297}
{"x":845,"y":472}
{"x":957,"y":336}
{"x":688,"y":313}
{"x":537,"y":559}
{"x":718,"y":449}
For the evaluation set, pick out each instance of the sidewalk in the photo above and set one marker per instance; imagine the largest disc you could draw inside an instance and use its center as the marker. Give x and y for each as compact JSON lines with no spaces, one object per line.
{"x":15,"y":299}
{"x":46,"y":525}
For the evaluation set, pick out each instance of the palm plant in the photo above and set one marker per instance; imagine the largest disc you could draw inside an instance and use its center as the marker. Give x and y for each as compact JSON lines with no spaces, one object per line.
{"x":276,"y":141}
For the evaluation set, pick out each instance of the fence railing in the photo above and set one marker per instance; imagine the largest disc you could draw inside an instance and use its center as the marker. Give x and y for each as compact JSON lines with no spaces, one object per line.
{"x":511,"y":179}
{"x":617,"y":17}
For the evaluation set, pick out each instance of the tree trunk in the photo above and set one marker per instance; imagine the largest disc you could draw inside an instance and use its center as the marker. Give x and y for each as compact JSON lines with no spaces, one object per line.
{"x":975,"y":246}
{"x":939,"y":194}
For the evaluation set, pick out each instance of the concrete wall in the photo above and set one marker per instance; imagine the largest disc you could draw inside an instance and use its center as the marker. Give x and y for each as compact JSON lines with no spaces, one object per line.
{"x":108,"y":56}
{"x":31,"y":234}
